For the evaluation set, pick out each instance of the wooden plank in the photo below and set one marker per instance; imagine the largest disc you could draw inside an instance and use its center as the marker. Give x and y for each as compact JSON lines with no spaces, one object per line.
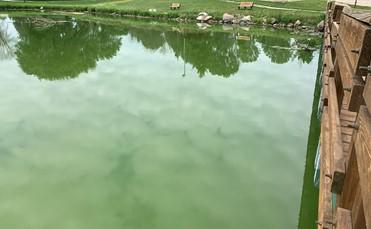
{"x":367,"y":94}
{"x":356,"y":96}
{"x":358,"y":216}
{"x":337,"y":11}
{"x":327,"y":42}
{"x":334,"y":31}
{"x":338,"y":157}
{"x":343,"y":219}
{"x":346,"y":100}
{"x":325,"y":95}
{"x":345,"y":123}
{"x":346,"y":131}
{"x":329,"y":63}
{"x":348,"y":115}
{"x":357,"y":47}
{"x":325,"y":197}
{"x":351,"y":182}
{"x":362,"y":16}
{"x":325,"y":77}
{"x":343,"y":68}
{"x":346,"y":138}
{"x":346,"y":147}
{"x":338,"y":83}
{"x":363,"y":154}
{"x":353,"y":85}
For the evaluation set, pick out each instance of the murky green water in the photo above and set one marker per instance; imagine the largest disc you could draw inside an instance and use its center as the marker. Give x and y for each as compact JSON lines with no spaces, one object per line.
{"x":151,"y":128}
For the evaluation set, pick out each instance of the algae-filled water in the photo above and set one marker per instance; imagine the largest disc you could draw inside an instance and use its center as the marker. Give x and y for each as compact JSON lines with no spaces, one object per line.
{"x":145,"y":126}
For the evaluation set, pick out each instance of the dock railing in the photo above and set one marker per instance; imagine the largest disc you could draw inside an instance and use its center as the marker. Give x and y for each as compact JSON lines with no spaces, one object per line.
{"x":345,"y":141}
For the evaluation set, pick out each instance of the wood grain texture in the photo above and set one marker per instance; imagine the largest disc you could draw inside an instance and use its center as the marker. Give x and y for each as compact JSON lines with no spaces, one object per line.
{"x":367,"y":94}
{"x":356,"y":96}
{"x":351,"y":182}
{"x":343,"y":219}
{"x":363,"y":154}
{"x":325,"y":216}
{"x":336,"y":147}
{"x":356,"y":39}
{"x":343,"y":67}
{"x":337,"y":10}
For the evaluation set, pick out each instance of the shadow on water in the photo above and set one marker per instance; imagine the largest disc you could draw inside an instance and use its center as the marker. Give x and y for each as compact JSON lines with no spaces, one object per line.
{"x":62,"y":48}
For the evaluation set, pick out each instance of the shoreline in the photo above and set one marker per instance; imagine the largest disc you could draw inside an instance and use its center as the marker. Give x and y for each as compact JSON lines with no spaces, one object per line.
{"x":266,"y":17}
{"x":307,"y":30}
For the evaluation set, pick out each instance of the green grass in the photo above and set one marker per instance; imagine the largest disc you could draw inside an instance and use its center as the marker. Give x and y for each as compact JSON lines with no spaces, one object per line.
{"x":189,"y":9}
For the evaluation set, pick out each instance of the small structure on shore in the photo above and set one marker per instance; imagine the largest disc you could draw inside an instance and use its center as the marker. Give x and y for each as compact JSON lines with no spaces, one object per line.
{"x":175,"y":6}
{"x":246,"y":5}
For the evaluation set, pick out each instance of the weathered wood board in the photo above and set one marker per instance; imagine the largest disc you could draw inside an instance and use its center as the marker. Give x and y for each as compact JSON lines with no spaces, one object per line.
{"x":361,"y":16}
{"x":356,"y":40}
{"x":346,"y":123}
{"x":356,"y":95}
{"x":343,"y":219}
{"x":337,"y":9}
{"x":351,"y":182}
{"x":367,"y":93}
{"x":363,"y":154}
{"x":336,"y":146}
{"x":325,"y":195}
{"x":334,"y":31}
{"x":343,"y":67}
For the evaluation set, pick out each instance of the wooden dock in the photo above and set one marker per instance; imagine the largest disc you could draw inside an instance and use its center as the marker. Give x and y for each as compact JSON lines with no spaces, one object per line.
{"x":345,"y":141}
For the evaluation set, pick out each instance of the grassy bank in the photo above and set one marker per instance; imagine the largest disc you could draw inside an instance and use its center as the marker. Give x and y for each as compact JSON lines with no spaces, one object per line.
{"x":309,"y":12}
{"x":309,"y":197}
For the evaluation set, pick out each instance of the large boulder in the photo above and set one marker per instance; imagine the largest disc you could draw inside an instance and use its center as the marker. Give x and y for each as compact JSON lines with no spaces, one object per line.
{"x":246,"y":19}
{"x":321,"y":26}
{"x":236,"y":21}
{"x":203,"y":17}
{"x":228,"y":18}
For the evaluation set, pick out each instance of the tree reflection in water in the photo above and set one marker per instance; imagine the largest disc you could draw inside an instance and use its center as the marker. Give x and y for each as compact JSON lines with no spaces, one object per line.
{"x":7,"y":41}
{"x":64,"y":50}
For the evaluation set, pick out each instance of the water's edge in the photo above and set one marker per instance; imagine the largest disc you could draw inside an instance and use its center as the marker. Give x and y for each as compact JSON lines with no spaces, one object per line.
{"x":309,"y":198}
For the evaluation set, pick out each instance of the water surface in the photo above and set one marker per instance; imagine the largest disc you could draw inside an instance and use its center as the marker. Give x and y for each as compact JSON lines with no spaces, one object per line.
{"x":148,"y":127}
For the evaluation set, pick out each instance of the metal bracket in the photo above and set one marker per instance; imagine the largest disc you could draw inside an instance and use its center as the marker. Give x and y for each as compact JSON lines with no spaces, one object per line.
{"x":354,"y":126}
{"x":325,"y":222}
{"x":329,"y":176}
{"x":355,"y":50}
{"x":365,"y":68}
{"x":347,"y":89}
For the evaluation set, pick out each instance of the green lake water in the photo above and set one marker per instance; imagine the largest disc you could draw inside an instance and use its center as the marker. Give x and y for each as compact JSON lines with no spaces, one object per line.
{"x":151,"y":127}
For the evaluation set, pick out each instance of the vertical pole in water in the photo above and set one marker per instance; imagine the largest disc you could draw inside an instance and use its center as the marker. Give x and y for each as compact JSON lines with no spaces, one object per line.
{"x":355,"y":3}
{"x":184,"y":70}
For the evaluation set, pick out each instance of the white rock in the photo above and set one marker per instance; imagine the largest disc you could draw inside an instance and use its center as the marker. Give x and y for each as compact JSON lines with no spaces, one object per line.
{"x":200,"y":18}
{"x":246,"y":18}
{"x":207,"y":18}
{"x":203,"y":14}
{"x":320,"y":26}
{"x":297,"y":23}
{"x":227,"y":18}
